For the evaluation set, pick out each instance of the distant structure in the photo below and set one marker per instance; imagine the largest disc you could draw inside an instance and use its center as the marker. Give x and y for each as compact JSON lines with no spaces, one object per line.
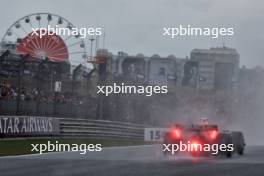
{"x":207,"y":69}
{"x":153,"y":70}
{"x":214,"y":68}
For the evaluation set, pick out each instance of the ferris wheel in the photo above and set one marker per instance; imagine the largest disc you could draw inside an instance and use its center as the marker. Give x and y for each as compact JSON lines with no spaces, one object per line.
{"x":57,"y":48}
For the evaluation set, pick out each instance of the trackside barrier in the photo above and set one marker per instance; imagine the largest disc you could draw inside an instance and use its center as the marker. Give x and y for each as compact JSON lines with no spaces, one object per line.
{"x":33,"y":126}
{"x":100,"y":129}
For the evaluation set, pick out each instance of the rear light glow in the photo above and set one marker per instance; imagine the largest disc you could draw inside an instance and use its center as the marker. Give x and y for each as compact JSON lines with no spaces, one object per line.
{"x":196,"y":147}
{"x":176,"y":133}
{"x":195,"y":144}
{"x":213,"y":134}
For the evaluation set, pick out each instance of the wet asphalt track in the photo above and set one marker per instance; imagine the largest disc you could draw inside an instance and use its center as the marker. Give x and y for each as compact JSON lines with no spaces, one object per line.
{"x":136,"y":161}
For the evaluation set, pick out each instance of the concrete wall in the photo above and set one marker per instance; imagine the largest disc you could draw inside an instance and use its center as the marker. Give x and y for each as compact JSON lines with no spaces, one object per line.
{"x":209,"y":58}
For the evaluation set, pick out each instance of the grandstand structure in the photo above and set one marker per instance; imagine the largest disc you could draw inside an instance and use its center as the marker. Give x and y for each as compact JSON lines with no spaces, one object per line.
{"x":36,"y":79}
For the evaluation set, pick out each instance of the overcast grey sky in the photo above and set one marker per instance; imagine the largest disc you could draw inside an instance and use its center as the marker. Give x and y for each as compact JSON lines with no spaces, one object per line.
{"x":136,"y":26}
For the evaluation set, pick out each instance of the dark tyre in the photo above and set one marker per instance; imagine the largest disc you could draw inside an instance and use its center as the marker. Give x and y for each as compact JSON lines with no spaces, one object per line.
{"x":240,"y":150}
{"x":228,"y":154}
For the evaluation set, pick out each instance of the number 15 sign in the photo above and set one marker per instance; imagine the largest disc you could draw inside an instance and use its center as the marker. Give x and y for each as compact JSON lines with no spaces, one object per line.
{"x":155,"y":134}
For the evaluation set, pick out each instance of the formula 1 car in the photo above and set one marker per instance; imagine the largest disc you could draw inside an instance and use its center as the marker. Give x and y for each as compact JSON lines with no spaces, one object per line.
{"x":201,"y":136}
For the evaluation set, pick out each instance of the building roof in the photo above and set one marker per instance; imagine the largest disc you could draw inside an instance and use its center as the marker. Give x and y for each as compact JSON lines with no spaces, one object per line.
{"x":218,"y":50}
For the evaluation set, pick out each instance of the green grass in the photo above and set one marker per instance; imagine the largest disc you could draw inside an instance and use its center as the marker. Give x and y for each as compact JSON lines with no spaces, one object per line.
{"x":23,"y":146}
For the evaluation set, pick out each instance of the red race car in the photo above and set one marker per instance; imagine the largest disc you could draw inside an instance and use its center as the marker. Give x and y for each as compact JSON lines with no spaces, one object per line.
{"x":202,"y":140}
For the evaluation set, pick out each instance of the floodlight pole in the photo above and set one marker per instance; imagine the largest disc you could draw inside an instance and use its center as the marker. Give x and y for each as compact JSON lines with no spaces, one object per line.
{"x":91,"y":52}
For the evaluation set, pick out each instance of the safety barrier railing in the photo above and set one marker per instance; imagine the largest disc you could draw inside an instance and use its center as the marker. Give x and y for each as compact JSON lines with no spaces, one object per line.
{"x":35,"y":126}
